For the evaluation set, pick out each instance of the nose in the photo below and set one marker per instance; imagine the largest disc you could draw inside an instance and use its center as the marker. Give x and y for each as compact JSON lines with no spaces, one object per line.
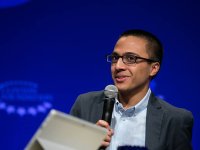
{"x":120,"y":64}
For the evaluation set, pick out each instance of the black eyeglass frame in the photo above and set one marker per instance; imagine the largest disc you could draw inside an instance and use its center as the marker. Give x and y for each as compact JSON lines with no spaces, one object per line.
{"x":109,"y":59}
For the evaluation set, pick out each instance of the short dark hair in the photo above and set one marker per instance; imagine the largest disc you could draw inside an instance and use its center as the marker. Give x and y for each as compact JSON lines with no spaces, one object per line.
{"x":154,"y":45}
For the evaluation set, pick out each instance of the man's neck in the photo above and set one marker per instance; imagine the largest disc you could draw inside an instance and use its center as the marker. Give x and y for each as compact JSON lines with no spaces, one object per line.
{"x":131,"y":98}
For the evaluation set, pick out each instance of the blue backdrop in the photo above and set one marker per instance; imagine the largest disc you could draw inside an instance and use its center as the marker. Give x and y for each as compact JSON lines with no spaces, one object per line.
{"x":51,"y":51}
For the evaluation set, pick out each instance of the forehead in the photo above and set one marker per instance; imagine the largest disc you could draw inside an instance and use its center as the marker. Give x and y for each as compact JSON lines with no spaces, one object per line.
{"x":132,"y":44}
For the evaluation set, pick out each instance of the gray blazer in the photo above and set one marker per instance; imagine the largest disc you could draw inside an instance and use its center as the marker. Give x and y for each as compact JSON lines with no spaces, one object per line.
{"x":167,"y":127}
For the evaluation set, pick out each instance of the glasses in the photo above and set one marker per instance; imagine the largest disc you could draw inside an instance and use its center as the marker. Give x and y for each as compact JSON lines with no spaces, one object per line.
{"x":127,"y":58}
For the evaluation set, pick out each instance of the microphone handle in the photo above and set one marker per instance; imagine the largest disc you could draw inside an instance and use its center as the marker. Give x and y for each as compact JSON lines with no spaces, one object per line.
{"x":107,"y":113}
{"x":108,"y":109}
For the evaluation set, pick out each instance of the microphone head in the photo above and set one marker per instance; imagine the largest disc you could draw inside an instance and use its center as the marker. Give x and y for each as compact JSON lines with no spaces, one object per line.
{"x":111,"y":91}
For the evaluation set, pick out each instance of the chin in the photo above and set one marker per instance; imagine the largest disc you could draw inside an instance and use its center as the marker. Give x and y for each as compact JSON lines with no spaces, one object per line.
{"x":121,"y":87}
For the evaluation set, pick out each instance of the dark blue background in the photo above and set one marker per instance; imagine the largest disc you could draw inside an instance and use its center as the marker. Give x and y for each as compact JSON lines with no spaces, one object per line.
{"x":61,"y":46}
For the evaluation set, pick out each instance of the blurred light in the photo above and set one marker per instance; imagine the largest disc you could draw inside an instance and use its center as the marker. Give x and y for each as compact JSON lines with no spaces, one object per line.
{"x":161,"y":96}
{"x":47,"y":105}
{"x":21,"y":111}
{"x":12,"y":3}
{"x":22,"y":98}
{"x":2,"y":105}
{"x":10,"y":109}
{"x":32,"y":111}
{"x":41,"y":108}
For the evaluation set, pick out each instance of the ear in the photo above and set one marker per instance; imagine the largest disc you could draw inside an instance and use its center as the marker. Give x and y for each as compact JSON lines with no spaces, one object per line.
{"x":155,"y":67}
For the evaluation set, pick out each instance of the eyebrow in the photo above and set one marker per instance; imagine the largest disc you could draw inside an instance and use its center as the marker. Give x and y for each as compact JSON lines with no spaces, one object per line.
{"x":127,"y":53}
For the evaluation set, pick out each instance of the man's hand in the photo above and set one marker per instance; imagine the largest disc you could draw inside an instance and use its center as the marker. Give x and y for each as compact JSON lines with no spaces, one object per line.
{"x":107,"y":140}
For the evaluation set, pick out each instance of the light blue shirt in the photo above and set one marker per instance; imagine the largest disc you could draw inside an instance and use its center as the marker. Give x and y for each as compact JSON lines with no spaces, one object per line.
{"x":129,"y":125}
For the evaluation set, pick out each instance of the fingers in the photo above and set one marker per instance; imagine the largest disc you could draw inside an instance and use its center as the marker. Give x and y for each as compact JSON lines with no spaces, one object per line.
{"x":107,"y":139}
{"x":103,"y":123}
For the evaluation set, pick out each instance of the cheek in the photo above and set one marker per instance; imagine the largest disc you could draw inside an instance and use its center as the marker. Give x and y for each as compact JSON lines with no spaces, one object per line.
{"x":112,"y":68}
{"x":140,"y":73}
{"x":144,"y":73}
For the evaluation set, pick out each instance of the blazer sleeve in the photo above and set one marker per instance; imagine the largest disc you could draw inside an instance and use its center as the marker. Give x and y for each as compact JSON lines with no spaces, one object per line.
{"x":182,"y":128}
{"x":76,"y":108}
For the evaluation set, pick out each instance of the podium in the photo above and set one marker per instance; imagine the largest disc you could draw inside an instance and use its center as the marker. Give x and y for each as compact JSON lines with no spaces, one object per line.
{"x":60,"y":131}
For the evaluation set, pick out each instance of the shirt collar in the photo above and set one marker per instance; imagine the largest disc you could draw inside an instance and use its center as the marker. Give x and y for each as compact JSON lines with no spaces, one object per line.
{"x":134,"y":110}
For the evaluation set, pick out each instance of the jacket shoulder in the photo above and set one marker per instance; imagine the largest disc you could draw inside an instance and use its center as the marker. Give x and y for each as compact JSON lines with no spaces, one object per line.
{"x":88,"y":105}
{"x":90,"y":97}
{"x":173,"y":110}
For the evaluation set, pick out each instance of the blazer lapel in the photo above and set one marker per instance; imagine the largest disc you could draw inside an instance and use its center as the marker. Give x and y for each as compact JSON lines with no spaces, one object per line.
{"x":153,"y":123}
{"x":97,"y":110}
{"x":100,"y":109}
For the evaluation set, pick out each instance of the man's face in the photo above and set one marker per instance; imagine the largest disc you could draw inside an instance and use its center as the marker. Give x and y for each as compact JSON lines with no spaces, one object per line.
{"x":132,"y":77}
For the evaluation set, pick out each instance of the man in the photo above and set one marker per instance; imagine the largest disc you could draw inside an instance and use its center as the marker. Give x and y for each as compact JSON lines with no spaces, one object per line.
{"x":139,"y":118}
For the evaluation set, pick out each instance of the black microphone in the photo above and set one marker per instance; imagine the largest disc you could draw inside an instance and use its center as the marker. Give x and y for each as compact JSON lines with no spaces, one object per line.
{"x":110,"y":92}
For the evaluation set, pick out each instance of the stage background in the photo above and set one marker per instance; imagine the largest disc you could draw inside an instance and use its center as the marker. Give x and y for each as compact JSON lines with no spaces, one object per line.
{"x":52,"y":51}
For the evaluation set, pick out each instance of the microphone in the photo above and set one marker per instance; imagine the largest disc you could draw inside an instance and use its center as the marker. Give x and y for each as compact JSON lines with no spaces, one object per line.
{"x":110,"y":92}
